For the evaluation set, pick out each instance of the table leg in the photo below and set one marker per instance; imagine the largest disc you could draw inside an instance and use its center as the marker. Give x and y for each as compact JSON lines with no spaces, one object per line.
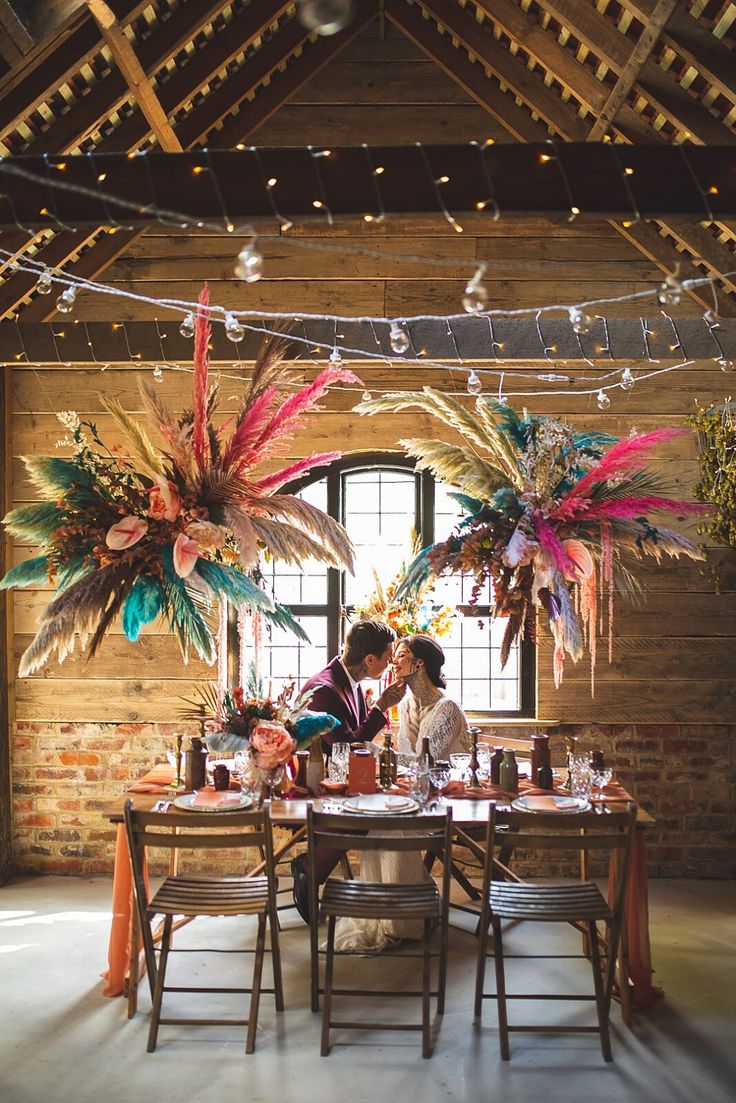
{"x":133,"y":971}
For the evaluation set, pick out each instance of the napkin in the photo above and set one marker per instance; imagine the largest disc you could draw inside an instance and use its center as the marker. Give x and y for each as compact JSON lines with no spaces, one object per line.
{"x":212,"y":798}
{"x":158,"y":780}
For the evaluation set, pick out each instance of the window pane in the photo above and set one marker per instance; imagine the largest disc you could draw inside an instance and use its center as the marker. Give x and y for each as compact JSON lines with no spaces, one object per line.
{"x":286,"y":658}
{"x":289,"y":584}
{"x":378,"y":511}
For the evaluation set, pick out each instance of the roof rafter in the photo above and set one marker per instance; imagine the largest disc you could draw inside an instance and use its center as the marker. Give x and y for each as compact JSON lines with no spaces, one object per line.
{"x":628,"y":76}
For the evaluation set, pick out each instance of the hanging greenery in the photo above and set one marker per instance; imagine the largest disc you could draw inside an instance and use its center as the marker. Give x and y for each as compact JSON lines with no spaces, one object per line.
{"x":716,"y":431}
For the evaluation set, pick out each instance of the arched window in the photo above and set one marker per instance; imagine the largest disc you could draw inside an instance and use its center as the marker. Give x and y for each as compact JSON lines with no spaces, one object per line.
{"x":382,"y":500}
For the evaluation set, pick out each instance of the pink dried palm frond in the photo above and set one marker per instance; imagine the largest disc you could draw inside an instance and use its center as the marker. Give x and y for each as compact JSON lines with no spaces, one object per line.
{"x":200,"y":391}
{"x":623,"y":458}
{"x":640,"y":505}
{"x":550,"y":542}
{"x":278,"y":479}
{"x":288,"y":415}
{"x":268,"y":367}
{"x":248,"y":428}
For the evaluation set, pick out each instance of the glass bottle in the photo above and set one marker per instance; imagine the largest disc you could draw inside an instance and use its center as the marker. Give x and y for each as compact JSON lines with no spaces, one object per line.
{"x":195,"y":764}
{"x":387,"y":763}
{"x":509,"y":772}
{"x":425,"y":754}
{"x":545,"y":778}
{"x":496,"y":760}
{"x":315,"y":766}
{"x":539,"y":756}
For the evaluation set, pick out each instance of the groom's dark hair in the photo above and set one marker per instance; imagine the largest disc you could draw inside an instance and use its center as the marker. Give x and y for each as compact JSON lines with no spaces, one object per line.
{"x":367,"y":637}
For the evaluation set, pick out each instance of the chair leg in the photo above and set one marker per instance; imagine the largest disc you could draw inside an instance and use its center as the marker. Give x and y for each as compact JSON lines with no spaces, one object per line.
{"x":444,"y":951}
{"x":278,"y":983}
{"x":314,"y":956}
{"x":327,"y":1006}
{"x":480,"y":973}
{"x":347,"y":868}
{"x":158,"y":992}
{"x":503,"y":1025}
{"x":426,"y":986}
{"x":600,"y":999}
{"x":255,"y":996}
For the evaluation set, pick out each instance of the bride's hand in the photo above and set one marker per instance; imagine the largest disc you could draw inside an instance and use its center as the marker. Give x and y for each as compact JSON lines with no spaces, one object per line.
{"x":391,"y":695}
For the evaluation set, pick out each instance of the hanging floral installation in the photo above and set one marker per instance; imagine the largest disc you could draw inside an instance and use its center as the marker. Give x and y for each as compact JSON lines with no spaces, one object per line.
{"x":554,"y":517}
{"x":716,"y":433}
{"x":414,"y":612}
{"x":180,"y":526}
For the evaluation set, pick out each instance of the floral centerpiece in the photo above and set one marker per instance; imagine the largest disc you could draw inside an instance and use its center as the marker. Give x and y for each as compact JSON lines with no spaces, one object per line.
{"x":181,"y":523}
{"x":716,"y":432}
{"x":272,"y":728}
{"x":554,"y":516}
{"x":411,"y":614}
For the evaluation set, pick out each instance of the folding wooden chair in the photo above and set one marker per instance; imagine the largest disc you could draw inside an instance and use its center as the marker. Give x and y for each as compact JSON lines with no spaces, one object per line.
{"x":572,"y":901}
{"x":384,"y":900}
{"x":185,"y":895}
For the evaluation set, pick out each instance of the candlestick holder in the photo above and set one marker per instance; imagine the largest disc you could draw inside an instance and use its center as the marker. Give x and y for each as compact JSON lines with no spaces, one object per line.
{"x":179,"y":782}
{"x":474,"y":779}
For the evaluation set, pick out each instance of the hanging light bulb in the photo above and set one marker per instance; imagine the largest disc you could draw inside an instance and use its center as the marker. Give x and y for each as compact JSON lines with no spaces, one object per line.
{"x":670,"y":292}
{"x":581,"y":322}
{"x":725,"y":364}
{"x":711,"y":318}
{"x":249,"y":265}
{"x":367,"y":396}
{"x":233,"y":329}
{"x":474,"y":384}
{"x":475,"y":299}
{"x":66,"y":300}
{"x":158,"y":374}
{"x":45,"y":283}
{"x":627,"y":379}
{"x":326,"y":17}
{"x":398,"y":338}
{"x":187,"y":325}
{"x":603,"y":400}
{"x":335,"y":357}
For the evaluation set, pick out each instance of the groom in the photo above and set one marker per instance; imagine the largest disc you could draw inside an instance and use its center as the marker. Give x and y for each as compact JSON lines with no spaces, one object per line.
{"x":337,"y":690}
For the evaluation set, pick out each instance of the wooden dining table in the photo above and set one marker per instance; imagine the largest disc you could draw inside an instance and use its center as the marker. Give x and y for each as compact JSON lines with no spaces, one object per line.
{"x":635,"y":988}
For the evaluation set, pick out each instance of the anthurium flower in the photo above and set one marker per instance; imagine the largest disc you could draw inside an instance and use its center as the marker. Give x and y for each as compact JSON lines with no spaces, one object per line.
{"x":126,"y":533}
{"x":186,"y":554}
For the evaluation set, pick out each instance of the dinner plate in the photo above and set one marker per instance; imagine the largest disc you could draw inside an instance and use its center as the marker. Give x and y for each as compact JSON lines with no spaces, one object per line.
{"x":555,"y":802}
{"x":236,"y":802}
{"x":380,"y":804}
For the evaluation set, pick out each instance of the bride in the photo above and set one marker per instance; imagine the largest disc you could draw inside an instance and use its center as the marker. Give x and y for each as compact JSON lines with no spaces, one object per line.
{"x":424,"y":710}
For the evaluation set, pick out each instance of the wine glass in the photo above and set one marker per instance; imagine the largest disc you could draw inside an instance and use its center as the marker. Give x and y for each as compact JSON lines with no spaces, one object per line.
{"x":601,"y":779}
{"x":419,"y":781}
{"x":461,"y":764}
{"x":337,"y":769}
{"x":439,"y":775}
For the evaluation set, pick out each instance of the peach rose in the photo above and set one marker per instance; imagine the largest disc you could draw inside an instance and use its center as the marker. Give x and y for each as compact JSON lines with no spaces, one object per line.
{"x":272,"y":743}
{"x":165,"y":503}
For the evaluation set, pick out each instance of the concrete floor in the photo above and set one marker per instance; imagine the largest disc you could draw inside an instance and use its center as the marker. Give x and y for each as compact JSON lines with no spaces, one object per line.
{"x":62,"y":1042}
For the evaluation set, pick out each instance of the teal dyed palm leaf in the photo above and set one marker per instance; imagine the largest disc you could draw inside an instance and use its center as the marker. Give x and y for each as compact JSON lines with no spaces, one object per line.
{"x":228,"y":582}
{"x":55,"y":475}
{"x":37,"y":521}
{"x":74,"y":569}
{"x":142,"y":605}
{"x":283,"y":617}
{"x":30,"y":573}
{"x":417,"y":575}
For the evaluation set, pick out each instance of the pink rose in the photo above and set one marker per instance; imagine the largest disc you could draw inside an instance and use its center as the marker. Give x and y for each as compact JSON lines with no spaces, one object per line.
{"x":165,"y":503}
{"x":124,"y":534}
{"x":186,"y":554}
{"x":272,"y":743}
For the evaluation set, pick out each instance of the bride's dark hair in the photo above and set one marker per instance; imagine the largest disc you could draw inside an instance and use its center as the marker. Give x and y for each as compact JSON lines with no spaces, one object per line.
{"x":431,"y":654}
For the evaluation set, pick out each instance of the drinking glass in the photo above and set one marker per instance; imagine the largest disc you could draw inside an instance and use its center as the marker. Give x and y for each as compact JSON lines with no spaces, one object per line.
{"x":440,"y":778}
{"x":419,"y":781}
{"x":484,"y":762}
{"x":601,"y":779}
{"x":246,"y":772}
{"x":581,"y":775}
{"x":460,"y":763}
{"x":339,"y":761}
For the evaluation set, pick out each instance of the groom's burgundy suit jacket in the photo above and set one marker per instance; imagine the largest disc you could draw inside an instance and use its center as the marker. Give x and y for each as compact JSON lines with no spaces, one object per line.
{"x":333,"y":693}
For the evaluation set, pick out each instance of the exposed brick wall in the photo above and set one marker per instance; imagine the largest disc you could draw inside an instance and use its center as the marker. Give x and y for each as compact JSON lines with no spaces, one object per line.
{"x":65,"y":774}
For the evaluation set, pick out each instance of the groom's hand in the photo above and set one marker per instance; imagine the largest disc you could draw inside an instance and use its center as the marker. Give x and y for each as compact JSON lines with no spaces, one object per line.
{"x":391,"y":696}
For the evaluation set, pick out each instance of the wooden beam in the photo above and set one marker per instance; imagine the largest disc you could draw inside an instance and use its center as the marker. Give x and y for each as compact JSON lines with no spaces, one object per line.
{"x":15,"y":41}
{"x":125,"y":58}
{"x":711,"y":57}
{"x":425,"y":34}
{"x":630,"y":73}
{"x":7,"y":662}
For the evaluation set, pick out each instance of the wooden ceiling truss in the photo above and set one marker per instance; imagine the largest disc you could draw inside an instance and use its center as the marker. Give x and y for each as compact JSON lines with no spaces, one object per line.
{"x":208,"y":73}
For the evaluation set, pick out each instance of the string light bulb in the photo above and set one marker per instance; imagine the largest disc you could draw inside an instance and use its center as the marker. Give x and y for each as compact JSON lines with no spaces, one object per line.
{"x":233,"y":329}
{"x":603,"y":400}
{"x":475,"y":299}
{"x":66,"y":300}
{"x":670,"y":292}
{"x":335,"y":357}
{"x":711,"y":318}
{"x":627,"y":379}
{"x":187,"y":325}
{"x":367,"y":396}
{"x":725,"y":364}
{"x":581,"y":322}
{"x":45,"y":283}
{"x":398,"y":338}
{"x":158,"y":374}
{"x":325,"y":17}
{"x":474,"y":384}
{"x":249,"y":265}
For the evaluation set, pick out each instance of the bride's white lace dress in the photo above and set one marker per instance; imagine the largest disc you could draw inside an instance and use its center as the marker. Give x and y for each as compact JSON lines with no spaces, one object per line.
{"x":424,"y":711}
